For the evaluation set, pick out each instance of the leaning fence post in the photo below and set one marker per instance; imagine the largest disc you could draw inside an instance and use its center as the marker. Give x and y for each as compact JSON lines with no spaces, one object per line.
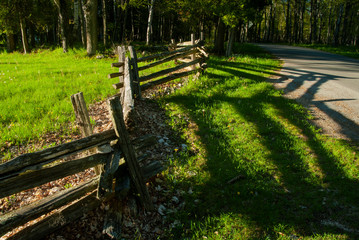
{"x":121,"y":50}
{"x":135,"y":71}
{"x":193,"y":57}
{"x":135,"y":171}
{"x":83,"y":119}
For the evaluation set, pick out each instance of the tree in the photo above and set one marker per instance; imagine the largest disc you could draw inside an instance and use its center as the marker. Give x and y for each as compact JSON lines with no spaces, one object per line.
{"x":149,"y":22}
{"x":90,"y":13}
{"x":62,"y":7}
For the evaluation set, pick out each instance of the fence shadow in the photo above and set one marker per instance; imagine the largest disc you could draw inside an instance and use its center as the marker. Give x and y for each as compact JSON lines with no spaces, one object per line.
{"x":322,"y":202}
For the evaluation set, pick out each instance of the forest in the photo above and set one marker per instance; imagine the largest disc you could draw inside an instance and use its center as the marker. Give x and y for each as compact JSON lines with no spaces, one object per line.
{"x":98,"y":24}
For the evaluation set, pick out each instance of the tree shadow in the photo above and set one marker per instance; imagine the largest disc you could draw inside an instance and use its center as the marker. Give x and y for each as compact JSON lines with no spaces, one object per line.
{"x":287,"y":192}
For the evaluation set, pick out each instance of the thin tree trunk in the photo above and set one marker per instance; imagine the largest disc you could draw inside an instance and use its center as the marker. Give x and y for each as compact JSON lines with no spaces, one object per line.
{"x":201,"y":36}
{"x":83,"y":25}
{"x":124,"y":32}
{"x":90,"y":12}
{"x":301,"y":32}
{"x":64,"y":22}
{"x":287,"y":25}
{"x":337,"y":27}
{"x":219,"y":42}
{"x":76,"y":21}
{"x":149,"y":22}
{"x":10,"y":42}
{"x":104,"y":21}
{"x":231,"y":34}
{"x":313,"y":21}
{"x":25,"y":43}
{"x":329,"y":23}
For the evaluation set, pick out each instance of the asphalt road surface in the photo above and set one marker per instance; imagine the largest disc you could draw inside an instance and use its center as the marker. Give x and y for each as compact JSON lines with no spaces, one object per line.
{"x":327,"y":84}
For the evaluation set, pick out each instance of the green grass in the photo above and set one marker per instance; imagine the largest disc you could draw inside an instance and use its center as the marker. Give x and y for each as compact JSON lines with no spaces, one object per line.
{"x":293,"y":182}
{"x":349,"y":51}
{"x":35,"y":91}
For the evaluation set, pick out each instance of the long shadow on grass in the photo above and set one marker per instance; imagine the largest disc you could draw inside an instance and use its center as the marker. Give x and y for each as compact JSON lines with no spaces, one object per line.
{"x":290,"y":196}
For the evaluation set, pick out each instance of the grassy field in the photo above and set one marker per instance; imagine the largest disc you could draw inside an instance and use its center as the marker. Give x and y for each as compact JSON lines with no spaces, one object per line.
{"x":35,"y":91}
{"x":291,"y":182}
{"x":349,"y":51}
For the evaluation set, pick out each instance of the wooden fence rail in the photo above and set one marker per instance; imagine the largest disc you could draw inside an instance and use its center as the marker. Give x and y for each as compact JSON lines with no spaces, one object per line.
{"x":34,"y":169}
{"x":111,"y":153}
{"x":196,"y":62}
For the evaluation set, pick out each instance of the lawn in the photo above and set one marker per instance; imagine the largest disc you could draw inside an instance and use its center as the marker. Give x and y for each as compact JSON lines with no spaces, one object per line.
{"x":35,"y":91}
{"x":288,"y":180}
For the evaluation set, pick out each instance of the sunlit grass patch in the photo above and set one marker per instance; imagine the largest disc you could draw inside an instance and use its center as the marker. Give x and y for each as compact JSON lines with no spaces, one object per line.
{"x":290,"y":180}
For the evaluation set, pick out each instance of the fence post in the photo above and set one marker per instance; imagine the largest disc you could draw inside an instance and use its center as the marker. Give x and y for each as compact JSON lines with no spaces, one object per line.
{"x":193,"y":57}
{"x":173,"y":47}
{"x":135,"y":71}
{"x":128,"y":101}
{"x":83,"y":119}
{"x":121,"y":50}
{"x":135,"y":171}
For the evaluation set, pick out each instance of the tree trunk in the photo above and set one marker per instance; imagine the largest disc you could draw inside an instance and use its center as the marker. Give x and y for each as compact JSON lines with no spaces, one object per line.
{"x":104,"y":21}
{"x":83,"y":25}
{"x":329,"y":24}
{"x":219,"y":42}
{"x":64,"y":22}
{"x":90,"y":13}
{"x":10,"y":42}
{"x":76,"y":20}
{"x":201,"y":35}
{"x":301,"y":31}
{"x":124,"y":28}
{"x":149,"y":22}
{"x":25,"y":43}
{"x":346,"y":23}
{"x":337,"y":27}
{"x":313,"y":21}
{"x":287,"y":25}
{"x":231,"y":33}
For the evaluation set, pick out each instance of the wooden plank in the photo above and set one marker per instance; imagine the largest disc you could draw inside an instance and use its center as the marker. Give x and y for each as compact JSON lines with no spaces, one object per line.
{"x":144,"y":141}
{"x":59,"y":219}
{"x":203,"y":52}
{"x":34,"y":210}
{"x":166,"y":79}
{"x":114,"y":75}
{"x":136,"y":76}
{"x":165,"y":54}
{"x":130,"y":156}
{"x":83,"y":120}
{"x":118,"y":64}
{"x":128,"y":102}
{"x":106,"y":179}
{"x":117,"y":85}
{"x":33,"y":179}
{"x":170,"y":58}
{"x":188,"y":43}
{"x":54,"y":153}
{"x":168,"y":71}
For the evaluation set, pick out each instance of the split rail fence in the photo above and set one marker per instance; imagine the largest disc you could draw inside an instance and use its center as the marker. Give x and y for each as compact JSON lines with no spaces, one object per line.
{"x":111,"y":153}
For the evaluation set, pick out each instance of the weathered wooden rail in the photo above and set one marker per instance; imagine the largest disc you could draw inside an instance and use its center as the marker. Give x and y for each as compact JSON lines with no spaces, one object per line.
{"x":110,"y":153}
{"x":115,"y":154}
{"x":192,"y":55}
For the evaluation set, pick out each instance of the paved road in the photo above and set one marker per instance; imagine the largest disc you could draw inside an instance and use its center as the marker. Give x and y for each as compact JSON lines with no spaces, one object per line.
{"x":328,"y":84}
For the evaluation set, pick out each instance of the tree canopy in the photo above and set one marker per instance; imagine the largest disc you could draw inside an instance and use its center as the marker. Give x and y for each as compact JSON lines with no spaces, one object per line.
{"x":31,"y":23}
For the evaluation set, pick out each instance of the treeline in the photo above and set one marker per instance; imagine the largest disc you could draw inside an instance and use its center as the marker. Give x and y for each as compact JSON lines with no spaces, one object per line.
{"x":334,"y":22}
{"x":25,"y":24}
